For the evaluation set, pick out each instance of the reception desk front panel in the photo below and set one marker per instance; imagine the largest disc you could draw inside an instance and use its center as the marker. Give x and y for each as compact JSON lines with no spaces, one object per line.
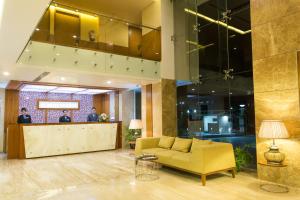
{"x":59,"y":139}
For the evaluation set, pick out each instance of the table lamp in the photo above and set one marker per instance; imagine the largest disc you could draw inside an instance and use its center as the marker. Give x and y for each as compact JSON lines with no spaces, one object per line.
{"x":273,"y":129}
{"x":136,"y":124}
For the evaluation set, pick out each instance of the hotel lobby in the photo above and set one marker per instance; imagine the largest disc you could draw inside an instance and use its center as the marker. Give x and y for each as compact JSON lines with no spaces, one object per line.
{"x":149,"y":99}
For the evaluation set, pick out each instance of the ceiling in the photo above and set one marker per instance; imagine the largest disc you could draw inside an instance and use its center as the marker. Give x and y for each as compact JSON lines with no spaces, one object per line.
{"x":129,"y":10}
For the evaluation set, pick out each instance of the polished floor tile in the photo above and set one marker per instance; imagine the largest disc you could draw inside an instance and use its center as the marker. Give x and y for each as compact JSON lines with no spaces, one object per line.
{"x":109,"y":175}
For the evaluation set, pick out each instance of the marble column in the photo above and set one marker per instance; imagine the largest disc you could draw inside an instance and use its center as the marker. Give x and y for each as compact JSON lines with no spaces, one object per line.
{"x":275,"y":43}
{"x":163,"y":104}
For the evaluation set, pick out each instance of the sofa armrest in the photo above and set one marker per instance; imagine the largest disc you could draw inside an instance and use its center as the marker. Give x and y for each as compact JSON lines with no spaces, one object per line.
{"x":145,"y":143}
{"x":212,"y":158}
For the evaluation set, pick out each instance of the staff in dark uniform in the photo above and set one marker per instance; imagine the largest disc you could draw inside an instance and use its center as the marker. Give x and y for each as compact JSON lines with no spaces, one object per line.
{"x":24,"y":118}
{"x":93,"y":117}
{"x":65,"y":118}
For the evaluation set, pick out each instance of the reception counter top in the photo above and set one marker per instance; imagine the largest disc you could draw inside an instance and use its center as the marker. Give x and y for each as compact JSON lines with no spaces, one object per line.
{"x":40,"y":140}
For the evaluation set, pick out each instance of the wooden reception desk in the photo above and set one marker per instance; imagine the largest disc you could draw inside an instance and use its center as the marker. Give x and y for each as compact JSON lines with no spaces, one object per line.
{"x":41,"y":140}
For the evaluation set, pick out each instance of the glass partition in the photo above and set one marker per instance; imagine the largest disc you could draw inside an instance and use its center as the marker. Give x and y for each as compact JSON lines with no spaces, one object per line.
{"x":63,"y":25}
{"x":216,"y":102}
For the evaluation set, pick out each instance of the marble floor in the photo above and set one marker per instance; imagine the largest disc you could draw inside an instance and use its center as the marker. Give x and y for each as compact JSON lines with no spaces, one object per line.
{"x":109,"y":175}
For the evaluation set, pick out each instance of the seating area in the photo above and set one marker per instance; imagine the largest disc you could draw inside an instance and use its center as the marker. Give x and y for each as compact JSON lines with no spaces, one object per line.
{"x":201,"y":157}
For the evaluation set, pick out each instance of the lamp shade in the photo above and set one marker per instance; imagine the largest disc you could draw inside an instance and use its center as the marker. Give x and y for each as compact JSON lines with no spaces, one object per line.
{"x":136,"y":124}
{"x":273,"y":129}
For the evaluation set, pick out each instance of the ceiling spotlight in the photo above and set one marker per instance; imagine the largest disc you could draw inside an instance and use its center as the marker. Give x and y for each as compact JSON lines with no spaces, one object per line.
{"x":37,"y":29}
{"x":127,"y":23}
{"x":193,"y":89}
{"x":213,"y":91}
{"x":108,"y":82}
{"x":230,"y":93}
{"x":6,"y":73}
{"x":74,"y":36}
{"x":62,"y":78}
{"x":242,"y":105}
{"x":111,"y":19}
{"x":234,"y":48}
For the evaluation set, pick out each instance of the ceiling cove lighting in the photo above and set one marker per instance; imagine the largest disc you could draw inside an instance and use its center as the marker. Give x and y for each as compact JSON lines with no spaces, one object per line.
{"x":37,"y":88}
{"x":67,"y":90}
{"x":65,"y":10}
{"x":93,"y":91}
{"x":216,"y":22}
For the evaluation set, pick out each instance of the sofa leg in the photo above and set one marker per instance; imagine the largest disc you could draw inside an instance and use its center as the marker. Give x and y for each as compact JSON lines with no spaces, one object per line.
{"x":233,"y":173}
{"x":203,"y":179}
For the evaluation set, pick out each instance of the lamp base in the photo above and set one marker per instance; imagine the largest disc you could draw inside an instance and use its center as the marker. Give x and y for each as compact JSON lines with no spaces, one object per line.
{"x":273,"y":156}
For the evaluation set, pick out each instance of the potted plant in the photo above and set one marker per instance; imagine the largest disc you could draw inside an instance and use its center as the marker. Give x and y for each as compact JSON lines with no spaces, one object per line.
{"x":133,"y":132}
{"x":131,"y":136}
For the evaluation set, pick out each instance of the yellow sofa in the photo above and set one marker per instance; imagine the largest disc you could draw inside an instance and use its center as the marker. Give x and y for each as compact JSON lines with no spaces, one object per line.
{"x":204,"y":159}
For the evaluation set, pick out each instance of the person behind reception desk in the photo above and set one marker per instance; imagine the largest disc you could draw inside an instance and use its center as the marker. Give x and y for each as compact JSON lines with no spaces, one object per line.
{"x":65,"y":118}
{"x":24,"y":118}
{"x":93,"y":117}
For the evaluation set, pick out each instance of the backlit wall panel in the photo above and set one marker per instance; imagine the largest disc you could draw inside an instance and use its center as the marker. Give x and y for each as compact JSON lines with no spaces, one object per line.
{"x":29,"y":100}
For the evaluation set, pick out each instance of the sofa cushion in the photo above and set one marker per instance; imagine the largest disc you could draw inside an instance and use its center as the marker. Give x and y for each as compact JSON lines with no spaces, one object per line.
{"x":182,"y":145}
{"x":181,"y":160}
{"x":153,"y":150}
{"x":197,"y":143}
{"x":166,"y":142}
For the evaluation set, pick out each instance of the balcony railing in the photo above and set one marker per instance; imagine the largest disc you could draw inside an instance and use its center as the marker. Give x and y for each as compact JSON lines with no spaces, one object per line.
{"x":73,"y":28}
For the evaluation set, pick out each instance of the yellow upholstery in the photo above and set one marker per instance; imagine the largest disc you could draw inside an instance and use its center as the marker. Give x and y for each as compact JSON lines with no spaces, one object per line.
{"x":196,"y":143}
{"x":166,"y":142}
{"x":182,"y":145}
{"x":204,"y":158}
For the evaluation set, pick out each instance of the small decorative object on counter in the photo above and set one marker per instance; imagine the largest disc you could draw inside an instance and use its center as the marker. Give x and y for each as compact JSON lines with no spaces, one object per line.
{"x":103,"y":117}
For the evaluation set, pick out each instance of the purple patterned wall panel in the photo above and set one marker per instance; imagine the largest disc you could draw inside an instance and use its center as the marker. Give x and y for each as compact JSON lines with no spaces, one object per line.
{"x":29,"y":100}
{"x":86,"y":104}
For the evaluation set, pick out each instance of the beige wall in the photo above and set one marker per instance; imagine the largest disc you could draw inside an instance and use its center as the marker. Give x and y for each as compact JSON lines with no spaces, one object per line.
{"x":167,"y":45}
{"x":2,"y":107}
{"x":126,"y":106}
{"x":157,"y":109}
{"x":275,"y":41}
{"x":151,"y":16}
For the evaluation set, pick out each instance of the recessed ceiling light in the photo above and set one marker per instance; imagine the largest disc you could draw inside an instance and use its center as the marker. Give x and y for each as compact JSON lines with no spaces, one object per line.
{"x":213,"y":91}
{"x":242,"y":105}
{"x":6,"y":73}
{"x":111,"y":19}
{"x":234,"y":48}
{"x":193,"y":89}
{"x":62,"y":78}
{"x":108,"y":82}
{"x":74,"y":36}
{"x":37,"y":29}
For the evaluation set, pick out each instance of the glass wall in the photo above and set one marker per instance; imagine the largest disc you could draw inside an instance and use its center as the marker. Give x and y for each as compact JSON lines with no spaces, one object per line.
{"x":216,"y":101}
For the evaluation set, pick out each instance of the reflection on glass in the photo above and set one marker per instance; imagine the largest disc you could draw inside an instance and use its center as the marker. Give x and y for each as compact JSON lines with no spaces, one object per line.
{"x":216,"y":101}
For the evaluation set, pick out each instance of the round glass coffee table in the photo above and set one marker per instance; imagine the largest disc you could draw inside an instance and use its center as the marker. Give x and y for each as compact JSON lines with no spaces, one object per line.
{"x":146,"y":167}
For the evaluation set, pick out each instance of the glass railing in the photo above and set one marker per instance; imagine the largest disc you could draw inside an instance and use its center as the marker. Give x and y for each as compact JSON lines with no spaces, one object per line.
{"x":67,"y":26}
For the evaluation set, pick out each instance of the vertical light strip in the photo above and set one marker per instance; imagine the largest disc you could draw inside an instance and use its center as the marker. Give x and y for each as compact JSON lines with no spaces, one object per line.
{"x":1,"y":11}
